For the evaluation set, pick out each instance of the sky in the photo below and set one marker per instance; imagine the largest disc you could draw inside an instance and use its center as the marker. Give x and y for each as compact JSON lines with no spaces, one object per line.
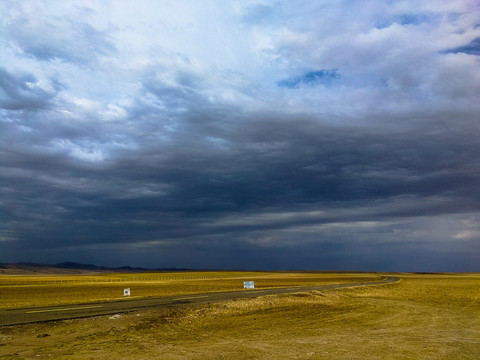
{"x":252,"y":134}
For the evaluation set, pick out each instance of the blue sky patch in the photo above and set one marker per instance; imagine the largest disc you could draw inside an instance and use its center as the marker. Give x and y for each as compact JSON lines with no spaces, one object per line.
{"x":406,"y":19}
{"x":323,"y":77}
{"x":413,"y":19}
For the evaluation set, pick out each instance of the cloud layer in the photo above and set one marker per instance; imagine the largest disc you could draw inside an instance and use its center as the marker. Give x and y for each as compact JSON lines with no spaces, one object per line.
{"x":243,"y":134}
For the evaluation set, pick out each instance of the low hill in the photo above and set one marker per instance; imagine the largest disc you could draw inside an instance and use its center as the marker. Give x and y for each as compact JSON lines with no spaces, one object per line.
{"x":28,"y":268}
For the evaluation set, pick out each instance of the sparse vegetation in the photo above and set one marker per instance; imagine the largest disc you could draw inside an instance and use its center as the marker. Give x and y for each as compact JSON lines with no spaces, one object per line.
{"x":421,"y":317}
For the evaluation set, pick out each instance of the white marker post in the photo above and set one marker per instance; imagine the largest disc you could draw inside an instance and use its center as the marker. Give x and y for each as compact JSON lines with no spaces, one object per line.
{"x":248,"y":285}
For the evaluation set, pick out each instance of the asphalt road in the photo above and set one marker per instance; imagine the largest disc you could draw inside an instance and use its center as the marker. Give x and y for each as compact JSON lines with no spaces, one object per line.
{"x":52,"y":313}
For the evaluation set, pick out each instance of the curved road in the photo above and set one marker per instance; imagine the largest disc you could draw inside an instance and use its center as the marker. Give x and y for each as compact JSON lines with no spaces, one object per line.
{"x":51,"y":313}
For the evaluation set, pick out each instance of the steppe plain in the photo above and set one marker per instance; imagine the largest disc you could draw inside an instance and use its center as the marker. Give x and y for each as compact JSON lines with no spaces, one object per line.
{"x":423,"y":316}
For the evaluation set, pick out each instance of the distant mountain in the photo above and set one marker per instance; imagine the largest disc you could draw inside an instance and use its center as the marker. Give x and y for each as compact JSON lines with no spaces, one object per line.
{"x":70,"y":267}
{"x":78,"y":266}
{"x":27,"y":268}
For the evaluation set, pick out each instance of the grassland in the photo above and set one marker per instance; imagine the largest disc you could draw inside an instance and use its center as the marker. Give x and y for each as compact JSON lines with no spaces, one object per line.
{"x":43,"y":290}
{"x":420,"y":317}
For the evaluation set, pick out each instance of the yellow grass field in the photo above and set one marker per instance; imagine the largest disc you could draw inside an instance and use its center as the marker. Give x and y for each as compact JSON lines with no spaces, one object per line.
{"x":431,"y":316}
{"x":42,"y":290}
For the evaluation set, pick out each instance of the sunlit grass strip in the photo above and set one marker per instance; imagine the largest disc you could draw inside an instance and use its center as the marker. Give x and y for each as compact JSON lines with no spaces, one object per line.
{"x":8,"y":280}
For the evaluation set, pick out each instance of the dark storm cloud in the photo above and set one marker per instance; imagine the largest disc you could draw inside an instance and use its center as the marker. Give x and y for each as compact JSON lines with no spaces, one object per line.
{"x":23,"y":92}
{"x":213,"y":170}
